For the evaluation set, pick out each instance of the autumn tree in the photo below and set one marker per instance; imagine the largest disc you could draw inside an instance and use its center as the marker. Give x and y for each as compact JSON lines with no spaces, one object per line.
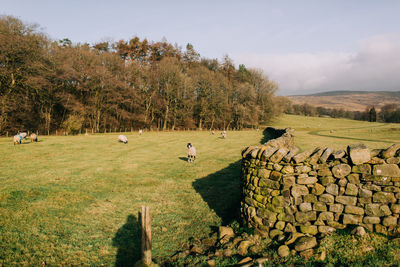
{"x":22,"y":68}
{"x":120,"y":85}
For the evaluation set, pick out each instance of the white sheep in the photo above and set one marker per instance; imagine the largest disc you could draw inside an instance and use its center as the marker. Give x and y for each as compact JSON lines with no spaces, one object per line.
{"x":123,"y":139}
{"x":17,"y":139}
{"x":140,"y":131}
{"x":191,"y":152}
{"x":223,"y":134}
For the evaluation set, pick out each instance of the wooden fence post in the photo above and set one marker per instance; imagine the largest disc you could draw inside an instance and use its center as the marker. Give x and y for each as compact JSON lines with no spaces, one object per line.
{"x":146,"y":236}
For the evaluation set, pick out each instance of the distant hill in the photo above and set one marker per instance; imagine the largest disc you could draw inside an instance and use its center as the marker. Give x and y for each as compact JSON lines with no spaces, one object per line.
{"x":348,"y":100}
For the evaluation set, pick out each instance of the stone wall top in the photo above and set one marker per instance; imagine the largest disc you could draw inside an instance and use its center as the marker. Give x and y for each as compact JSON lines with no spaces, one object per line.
{"x":277,"y":139}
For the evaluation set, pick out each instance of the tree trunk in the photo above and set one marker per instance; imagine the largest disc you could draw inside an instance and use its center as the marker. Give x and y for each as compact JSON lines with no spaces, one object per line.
{"x":212,"y":123}
{"x":166,"y":118}
{"x":98,"y":120}
{"x":147,"y":112}
{"x":47,"y":119}
{"x":3,"y":114}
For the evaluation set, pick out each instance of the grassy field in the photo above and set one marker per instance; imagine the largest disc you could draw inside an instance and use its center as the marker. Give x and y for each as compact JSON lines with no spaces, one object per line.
{"x":74,"y":200}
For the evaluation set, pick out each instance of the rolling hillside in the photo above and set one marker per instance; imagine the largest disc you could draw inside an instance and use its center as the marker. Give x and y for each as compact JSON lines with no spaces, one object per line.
{"x":348,"y":100}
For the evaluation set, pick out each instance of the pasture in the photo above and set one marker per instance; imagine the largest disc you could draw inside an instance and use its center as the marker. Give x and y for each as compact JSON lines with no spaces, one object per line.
{"x":74,"y":200}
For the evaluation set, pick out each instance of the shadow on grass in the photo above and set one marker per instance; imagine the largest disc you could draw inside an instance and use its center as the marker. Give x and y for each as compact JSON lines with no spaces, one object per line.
{"x":24,"y":143}
{"x":221,"y":191}
{"x":128,"y":241}
{"x":29,"y":142}
{"x":183,"y":158}
{"x":270,"y":133}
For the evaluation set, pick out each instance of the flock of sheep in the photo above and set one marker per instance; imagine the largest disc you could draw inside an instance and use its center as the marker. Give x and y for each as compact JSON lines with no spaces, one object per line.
{"x":21,"y":136}
{"x":191,"y":150}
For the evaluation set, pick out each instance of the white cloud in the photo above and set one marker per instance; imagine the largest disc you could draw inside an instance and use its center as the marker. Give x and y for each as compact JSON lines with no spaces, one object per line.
{"x":375,"y":66}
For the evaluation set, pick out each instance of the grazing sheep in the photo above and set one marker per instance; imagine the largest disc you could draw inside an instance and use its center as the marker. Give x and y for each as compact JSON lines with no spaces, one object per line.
{"x":33,"y":137}
{"x":212,"y":132}
{"x":191,"y":151}
{"x":140,"y":131}
{"x":17,"y":139}
{"x":123,"y":139}
{"x":223,"y":134}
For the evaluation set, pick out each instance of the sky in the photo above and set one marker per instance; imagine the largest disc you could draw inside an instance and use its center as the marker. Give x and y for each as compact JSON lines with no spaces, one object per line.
{"x":304,"y":46}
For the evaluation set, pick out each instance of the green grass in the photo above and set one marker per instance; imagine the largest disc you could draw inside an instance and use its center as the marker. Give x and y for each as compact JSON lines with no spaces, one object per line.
{"x":74,"y":200}
{"x":311,"y":132}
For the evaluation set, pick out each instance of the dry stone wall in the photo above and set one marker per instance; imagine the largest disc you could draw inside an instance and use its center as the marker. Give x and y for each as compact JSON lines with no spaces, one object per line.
{"x":320,"y":190}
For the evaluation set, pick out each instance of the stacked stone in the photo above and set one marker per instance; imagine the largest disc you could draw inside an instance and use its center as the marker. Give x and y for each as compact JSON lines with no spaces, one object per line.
{"x":320,"y":190}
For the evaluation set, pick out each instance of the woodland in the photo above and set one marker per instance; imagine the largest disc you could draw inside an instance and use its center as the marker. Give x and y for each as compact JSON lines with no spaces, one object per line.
{"x":48,"y":85}
{"x":388,"y":113}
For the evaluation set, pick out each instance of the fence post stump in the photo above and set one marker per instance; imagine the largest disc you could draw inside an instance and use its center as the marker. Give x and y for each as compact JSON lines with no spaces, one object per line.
{"x":146,"y":236}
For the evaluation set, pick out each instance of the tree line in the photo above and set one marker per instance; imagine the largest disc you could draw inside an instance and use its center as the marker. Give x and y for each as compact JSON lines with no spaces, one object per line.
{"x":387,"y":113}
{"x":47,"y":85}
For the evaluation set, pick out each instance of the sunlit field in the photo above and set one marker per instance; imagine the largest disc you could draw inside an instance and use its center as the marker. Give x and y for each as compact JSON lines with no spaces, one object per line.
{"x":74,"y":200}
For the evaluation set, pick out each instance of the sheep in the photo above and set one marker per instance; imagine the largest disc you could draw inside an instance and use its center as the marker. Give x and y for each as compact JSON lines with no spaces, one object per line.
{"x":191,"y":151}
{"x":23,"y":135}
{"x":212,"y":132}
{"x":223,"y":134}
{"x":33,"y":137}
{"x":17,"y":139}
{"x":123,"y":139}
{"x":140,"y":131}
